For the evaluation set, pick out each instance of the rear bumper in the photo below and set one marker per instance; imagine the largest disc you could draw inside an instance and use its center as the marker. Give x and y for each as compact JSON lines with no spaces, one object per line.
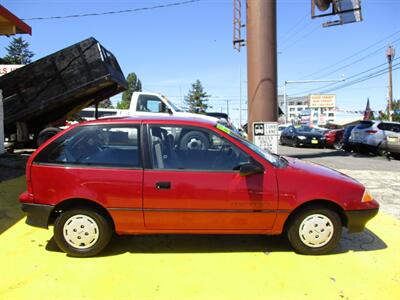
{"x":356,"y":219}
{"x":393,"y":148}
{"x":37,"y":214}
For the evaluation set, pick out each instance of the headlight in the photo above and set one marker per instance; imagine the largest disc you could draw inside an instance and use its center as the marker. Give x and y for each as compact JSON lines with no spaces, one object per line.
{"x":301,"y":137}
{"x":367,"y":197}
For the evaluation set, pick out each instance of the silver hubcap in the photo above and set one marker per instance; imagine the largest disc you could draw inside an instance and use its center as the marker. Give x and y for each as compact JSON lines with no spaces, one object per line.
{"x":316,"y":230}
{"x":195,"y":144}
{"x":81,"y":231}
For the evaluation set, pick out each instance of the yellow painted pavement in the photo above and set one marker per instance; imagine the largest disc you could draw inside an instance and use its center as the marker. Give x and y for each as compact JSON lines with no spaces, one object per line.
{"x":365,"y":266}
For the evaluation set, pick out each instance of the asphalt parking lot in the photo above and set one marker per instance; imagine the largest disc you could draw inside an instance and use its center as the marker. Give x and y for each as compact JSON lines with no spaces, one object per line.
{"x":364,"y":266}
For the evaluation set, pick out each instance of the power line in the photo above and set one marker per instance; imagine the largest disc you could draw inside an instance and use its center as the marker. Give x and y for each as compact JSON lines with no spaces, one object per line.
{"x":353,"y":55}
{"x":360,"y":59}
{"x":290,"y":45}
{"x":290,"y":32}
{"x":353,"y":76}
{"x":365,"y":78}
{"x":113,"y":12}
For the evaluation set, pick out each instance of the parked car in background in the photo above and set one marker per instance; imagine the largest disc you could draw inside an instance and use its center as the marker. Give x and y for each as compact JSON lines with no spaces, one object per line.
{"x":334,"y":138}
{"x":391,"y":142}
{"x":346,"y":145}
{"x":282,"y":127}
{"x":302,"y":136}
{"x":371,"y":135}
{"x":141,"y":175}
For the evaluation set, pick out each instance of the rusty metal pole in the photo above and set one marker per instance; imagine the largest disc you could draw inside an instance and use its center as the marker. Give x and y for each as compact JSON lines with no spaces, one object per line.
{"x":390,"y":55}
{"x":261,"y":62}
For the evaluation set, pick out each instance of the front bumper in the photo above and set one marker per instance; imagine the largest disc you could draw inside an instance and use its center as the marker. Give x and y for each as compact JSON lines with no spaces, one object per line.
{"x":356,"y":219}
{"x":37,"y":214}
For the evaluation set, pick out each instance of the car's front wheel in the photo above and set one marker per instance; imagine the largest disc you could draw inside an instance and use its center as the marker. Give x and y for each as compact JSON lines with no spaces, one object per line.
{"x":314,"y":230}
{"x":82,"y":232}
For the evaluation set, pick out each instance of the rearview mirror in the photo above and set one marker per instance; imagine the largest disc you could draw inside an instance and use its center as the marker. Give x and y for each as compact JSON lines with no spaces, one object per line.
{"x":250,"y":169}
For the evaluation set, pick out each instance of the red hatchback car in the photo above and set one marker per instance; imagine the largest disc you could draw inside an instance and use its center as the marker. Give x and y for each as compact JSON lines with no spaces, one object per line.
{"x":333,"y":138}
{"x":149,"y":175}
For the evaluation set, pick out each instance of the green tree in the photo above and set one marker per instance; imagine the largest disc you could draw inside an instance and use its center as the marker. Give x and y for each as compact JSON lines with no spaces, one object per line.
{"x":106,"y":104}
{"x":134,"y":85}
{"x":396,"y":108}
{"x":197,"y":98}
{"x":18,"y":52}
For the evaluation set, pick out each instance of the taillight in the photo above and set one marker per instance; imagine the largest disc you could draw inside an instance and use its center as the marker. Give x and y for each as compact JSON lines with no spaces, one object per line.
{"x":28,"y":176}
{"x":371,"y":131}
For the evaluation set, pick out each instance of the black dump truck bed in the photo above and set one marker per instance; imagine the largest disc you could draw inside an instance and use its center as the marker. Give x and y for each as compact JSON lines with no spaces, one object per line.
{"x":48,"y":89}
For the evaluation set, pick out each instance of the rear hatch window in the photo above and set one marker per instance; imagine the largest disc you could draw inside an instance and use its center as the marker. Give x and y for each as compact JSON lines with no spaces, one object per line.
{"x":364,"y":124}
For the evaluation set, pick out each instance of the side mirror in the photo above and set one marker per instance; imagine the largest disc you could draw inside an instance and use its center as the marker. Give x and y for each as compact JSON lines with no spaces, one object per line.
{"x":250,"y":169}
{"x":169,"y":111}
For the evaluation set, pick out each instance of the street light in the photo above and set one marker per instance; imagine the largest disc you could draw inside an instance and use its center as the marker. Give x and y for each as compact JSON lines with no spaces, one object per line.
{"x":285,"y":100}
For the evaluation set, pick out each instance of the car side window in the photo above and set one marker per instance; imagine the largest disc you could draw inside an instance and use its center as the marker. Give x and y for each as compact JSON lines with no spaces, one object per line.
{"x":193,"y":148}
{"x":150,"y":104}
{"x":99,"y":145}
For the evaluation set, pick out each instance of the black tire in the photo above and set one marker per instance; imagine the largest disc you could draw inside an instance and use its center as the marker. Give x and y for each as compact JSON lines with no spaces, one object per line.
{"x":295,"y":143}
{"x":47,"y":133}
{"x":328,"y":237}
{"x":73,"y":217}
{"x":194,"y":140}
{"x":381,"y":152}
{"x":337,"y":145}
{"x":395,"y":155}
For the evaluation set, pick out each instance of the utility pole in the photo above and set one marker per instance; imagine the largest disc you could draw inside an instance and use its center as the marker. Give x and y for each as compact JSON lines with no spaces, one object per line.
{"x":261,"y":62}
{"x":390,"y":52}
{"x":240,"y":98}
{"x":227,"y":107}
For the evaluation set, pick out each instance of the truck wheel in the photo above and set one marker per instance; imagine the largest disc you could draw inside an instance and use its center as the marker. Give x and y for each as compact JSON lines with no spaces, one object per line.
{"x":82,"y":232}
{"x":315,"y":231}
{"x":194,"y":140}
{"x":47,"y":133}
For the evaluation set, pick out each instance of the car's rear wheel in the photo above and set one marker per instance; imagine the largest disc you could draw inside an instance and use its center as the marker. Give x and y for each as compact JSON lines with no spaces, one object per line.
{"x":337,"y":145}
{"x":314,"y":230}
{"x":82,"y":232}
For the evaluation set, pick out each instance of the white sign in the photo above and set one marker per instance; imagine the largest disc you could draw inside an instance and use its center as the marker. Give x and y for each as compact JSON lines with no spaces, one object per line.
{"x":322,"y":100}
{"x":265,"y":135}
{"x":5,"y":69}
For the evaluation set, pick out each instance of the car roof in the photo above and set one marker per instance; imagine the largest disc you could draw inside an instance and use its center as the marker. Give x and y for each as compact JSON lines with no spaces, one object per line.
{"x":170,"y":119}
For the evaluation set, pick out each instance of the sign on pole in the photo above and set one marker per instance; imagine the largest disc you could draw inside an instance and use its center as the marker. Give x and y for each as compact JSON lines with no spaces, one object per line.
{"x":322,"y":101}
{"x":265,"y":135}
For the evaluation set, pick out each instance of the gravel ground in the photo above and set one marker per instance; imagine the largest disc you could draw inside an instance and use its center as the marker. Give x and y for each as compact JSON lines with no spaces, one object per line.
{"x":380,"y":175}
{"x":385,"y":186}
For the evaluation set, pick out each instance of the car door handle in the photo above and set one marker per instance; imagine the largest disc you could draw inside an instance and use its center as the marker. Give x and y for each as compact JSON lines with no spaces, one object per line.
{"x":163,"y":185}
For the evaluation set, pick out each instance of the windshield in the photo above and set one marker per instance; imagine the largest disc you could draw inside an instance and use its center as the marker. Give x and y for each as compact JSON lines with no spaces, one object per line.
{"x":175,"y":107}
{"x":308,"y":129}
{"x":272,"y":158}
{"x":303,"y":129}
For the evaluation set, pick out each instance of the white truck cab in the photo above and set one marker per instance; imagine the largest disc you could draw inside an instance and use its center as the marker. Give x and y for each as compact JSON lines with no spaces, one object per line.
{"x":153,"y":103}
{"x":144,"y":103}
